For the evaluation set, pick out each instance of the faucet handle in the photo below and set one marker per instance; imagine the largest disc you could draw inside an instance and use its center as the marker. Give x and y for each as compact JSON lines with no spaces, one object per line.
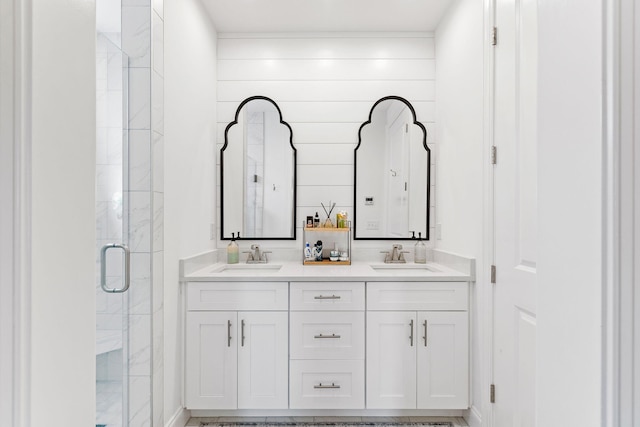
{"x":386,"y":255}
{"x":249,"y":255}
{"x":401,"y":256}
{"x":264,"y":256}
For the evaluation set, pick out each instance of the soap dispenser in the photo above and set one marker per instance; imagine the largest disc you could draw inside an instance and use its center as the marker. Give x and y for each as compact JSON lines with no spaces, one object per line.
{"x":420,"y":254}
{"x":232,"y":250}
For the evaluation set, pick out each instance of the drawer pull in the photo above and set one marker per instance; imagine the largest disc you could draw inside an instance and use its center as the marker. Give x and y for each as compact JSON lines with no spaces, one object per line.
{"x":327,"y":297}
{"x":425,"y":333}
{"x":228,"y":333}
{"x":327,"y":336}
{"x":242,"y":333}
{"x":333,"y":385}
{"x":411,"y":329}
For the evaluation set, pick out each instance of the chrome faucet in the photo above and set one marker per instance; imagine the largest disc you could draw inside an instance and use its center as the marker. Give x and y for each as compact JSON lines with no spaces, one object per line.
{"x":396,"y":256}
{"x":257,"y":256}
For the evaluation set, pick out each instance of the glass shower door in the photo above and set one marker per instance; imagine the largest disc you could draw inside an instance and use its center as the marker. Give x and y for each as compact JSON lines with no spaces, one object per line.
{"x":112,"y":272}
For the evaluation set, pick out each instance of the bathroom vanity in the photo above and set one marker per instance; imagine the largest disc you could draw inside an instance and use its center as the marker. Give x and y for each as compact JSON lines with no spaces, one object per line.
{"x":366,"y":337}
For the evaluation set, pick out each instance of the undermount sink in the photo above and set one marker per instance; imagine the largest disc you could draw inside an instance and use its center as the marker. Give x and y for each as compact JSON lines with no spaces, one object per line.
{"x":405,"y":268}
{"x":248,"y":269}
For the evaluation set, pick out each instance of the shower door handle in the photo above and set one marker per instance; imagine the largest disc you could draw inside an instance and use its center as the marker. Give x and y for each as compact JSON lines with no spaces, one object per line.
{"x":103,"y":268}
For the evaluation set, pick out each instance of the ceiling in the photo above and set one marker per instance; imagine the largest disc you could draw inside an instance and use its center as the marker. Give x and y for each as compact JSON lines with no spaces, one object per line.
{"x":259,"y":16}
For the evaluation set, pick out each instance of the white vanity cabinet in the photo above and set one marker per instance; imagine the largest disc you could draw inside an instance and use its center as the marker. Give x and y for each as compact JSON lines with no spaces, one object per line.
{"x":327,"y":347}
{"x":237,"y":345}
{"x":417,"y":345}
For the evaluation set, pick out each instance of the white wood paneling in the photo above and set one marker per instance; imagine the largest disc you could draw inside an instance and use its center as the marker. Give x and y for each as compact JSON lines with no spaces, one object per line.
{"x":326,"y":69}
{"x":326,"y":111}
{"x":323,"y":48}
{"x":325,"y":87}
{"x":418,"y":90}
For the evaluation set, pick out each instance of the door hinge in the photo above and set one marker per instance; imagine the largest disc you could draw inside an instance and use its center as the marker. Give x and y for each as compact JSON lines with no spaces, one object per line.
{"x":492,"y":394}
{"x":494,"y":36}
{"x":493,"y":274}
{"x":494,"y":155}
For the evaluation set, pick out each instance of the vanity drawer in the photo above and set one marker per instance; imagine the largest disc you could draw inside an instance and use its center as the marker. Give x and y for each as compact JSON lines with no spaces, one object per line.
{"x":417,"y":296}
{"x":327,"y":296}
{"x":237,"y":296}
{"x":326,"y":384}
{"x":327,"y":335}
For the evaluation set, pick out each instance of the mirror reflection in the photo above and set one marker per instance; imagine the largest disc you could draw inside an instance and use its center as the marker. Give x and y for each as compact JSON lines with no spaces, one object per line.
{"x":258,"y":170}
{"x":392,"y":172}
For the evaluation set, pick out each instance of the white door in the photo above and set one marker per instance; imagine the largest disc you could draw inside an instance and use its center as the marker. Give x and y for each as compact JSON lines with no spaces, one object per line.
{"x":211,"y":361}
{"x":263,"y":360}
{"x":391,"y":360}
{"x":443,"y":360}
{"x":515,"y":215}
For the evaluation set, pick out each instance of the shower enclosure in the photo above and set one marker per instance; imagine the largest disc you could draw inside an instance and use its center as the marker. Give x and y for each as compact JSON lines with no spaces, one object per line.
{"x":112,"y":278}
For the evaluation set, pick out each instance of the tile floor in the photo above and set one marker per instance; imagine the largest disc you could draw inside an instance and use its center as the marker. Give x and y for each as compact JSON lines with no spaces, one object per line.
{"x":456,"y":421}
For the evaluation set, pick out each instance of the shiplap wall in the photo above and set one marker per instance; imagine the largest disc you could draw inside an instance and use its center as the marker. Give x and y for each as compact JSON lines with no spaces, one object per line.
{"x":325,"y":86}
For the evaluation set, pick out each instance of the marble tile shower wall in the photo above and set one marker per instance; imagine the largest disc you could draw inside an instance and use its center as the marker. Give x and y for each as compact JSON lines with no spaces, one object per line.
{"x":325,"y":86}
{"x":143,"y":42}
{"x":109,"y":225}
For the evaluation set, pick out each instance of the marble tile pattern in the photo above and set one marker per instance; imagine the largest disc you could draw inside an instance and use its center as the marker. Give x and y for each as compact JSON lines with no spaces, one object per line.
{"x":136,"y":33}
{"x":142,"y":40}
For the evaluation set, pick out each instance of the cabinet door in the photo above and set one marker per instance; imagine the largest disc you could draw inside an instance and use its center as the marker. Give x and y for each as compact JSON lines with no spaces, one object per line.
{"x":263,"y":374}
{"x":391,"y":360}
{"x":443,"y":360}
{"x":211,"y":360}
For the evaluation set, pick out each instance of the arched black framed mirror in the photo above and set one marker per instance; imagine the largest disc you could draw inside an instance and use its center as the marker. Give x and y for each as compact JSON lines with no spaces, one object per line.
{"x":258,"y":174}
{"x":392,"y":167}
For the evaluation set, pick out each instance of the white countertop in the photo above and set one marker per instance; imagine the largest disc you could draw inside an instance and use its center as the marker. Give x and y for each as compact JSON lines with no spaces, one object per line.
{"x":357,"y":271}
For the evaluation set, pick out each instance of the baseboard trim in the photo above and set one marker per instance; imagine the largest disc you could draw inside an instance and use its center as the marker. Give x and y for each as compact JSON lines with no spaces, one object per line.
{"x":180,"y":418}
{"x":473,"y":417}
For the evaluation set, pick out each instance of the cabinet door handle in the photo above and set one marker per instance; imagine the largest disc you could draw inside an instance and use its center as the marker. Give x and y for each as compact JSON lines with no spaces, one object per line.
{"x":425,"y":333}
{"x":228,"y":333}
{"x":327,"y":336}
{"x":242,"y":333}
{"x":333,"y":385}
{"x":411,"y":329}
{"x":327,"y":297}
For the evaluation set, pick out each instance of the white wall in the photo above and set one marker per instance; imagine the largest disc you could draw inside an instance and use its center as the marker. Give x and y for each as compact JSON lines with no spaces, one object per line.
{"x":62,"y":378}
{"x":190,"y":133}
{"x":570,"y":158}
{"x":325,"y":86}
{"x":461,"y":160}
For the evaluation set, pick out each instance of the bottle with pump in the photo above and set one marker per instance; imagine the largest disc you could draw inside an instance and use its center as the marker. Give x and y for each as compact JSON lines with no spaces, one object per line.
{"x":420,"y":254}
{"x":316,"y":221}
{"x":232,"y":250}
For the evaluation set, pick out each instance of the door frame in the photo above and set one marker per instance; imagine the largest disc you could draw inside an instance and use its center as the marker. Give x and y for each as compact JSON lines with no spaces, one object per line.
{"x":621,"y":305}
{"x":15,"y":284}
{"x":488,"y":209}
